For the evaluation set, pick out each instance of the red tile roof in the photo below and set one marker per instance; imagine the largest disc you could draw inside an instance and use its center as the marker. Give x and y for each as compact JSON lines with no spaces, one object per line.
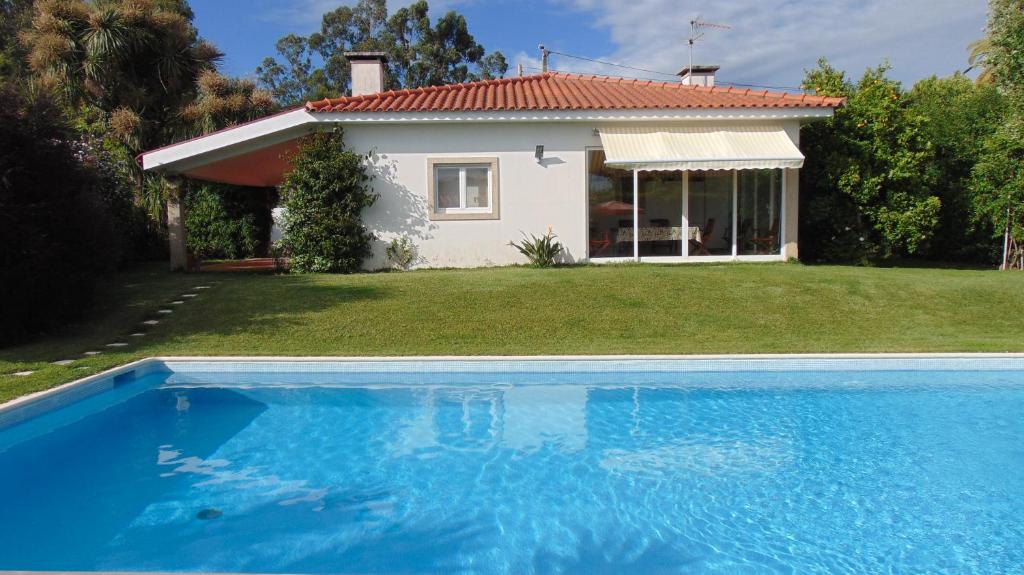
{"x":561,"y":91}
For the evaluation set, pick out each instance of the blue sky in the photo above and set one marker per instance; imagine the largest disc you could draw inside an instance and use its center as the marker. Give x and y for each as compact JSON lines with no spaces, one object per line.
{"x":770,"y":41}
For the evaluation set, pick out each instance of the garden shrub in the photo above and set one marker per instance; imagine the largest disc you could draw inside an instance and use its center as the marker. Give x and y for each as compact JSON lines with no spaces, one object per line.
{"x":56,"y":236}
{"x":542,"y":252}
{"x":324,"y":195}
{"x":401,"y":253}
{"x":227,"y":221}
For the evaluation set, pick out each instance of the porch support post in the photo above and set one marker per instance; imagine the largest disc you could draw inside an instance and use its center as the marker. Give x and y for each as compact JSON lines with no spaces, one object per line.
{"x":636,"y":215}
{"x":791,"y":213}
{"x":176,"y":224}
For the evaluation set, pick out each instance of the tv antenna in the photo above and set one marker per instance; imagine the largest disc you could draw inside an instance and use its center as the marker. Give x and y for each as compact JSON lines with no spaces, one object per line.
{"x":697,"y":29}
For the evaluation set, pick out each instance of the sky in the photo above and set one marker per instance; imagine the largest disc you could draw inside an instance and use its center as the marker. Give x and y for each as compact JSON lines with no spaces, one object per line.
{"x":768,"y":42}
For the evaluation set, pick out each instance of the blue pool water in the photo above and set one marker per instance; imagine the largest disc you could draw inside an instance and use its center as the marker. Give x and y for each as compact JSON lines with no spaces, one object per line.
{"x":574,"y":472}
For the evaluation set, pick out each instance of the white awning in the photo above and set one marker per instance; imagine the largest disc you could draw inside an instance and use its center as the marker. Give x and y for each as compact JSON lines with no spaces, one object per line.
{"x":708,"y":147}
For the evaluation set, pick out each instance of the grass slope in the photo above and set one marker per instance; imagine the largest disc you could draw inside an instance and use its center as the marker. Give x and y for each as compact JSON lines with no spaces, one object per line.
{"x":621,"y":309}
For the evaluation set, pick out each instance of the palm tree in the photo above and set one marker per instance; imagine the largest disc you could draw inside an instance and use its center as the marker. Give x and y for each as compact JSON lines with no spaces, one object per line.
{"x":136,"y":61}
{"x":978,"y":54}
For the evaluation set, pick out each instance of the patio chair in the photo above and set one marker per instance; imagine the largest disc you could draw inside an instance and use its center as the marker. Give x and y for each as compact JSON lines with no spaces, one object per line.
{"x":599,"y":242}
{"x":700,"y":248}
{"x":766,"y":244}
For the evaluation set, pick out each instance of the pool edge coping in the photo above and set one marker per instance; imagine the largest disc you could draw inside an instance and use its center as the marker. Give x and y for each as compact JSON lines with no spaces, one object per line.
{"x":160,"y":360}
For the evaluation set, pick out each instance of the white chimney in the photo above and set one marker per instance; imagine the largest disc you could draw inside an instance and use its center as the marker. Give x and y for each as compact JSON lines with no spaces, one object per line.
{"x":367,"y":72}
{"x":699,"y":75}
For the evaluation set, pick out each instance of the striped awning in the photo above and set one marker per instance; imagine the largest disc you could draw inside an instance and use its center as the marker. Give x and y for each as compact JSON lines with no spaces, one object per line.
{"x":710,"y":147}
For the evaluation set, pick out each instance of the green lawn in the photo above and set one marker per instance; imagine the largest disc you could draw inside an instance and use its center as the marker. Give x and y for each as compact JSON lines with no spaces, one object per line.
{"x":684,"y":309}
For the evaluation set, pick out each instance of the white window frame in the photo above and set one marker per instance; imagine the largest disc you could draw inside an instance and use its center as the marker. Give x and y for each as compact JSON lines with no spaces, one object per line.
{"x":491,"y":212}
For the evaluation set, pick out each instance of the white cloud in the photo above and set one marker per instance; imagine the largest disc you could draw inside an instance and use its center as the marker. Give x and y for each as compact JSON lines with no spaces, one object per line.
{"x":773,"y":41}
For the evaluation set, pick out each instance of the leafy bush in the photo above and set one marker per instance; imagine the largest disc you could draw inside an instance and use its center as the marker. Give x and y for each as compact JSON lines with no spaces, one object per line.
{"x":401,"y":253}
{"x":867,"y":186}
{"x":324,"y":195}
{"x":56,"y":236}
{"x":222,"y":222}
{"x":542,"y":252}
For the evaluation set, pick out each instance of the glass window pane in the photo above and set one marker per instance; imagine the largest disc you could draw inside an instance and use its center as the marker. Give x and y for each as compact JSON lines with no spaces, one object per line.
{"x":760,"y":211}
{"x":447,"y":188}
{"x":661,"y":214}
{"x":610,"y":208}
{"x":476,"y":187}
{"x":710,"y":210}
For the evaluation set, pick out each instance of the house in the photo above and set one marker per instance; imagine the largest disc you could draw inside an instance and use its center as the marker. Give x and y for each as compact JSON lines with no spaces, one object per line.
{"x":620,"y":169}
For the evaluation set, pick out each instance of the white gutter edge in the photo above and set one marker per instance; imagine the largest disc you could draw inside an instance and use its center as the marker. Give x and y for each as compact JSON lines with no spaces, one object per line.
{"x":295,"y":123}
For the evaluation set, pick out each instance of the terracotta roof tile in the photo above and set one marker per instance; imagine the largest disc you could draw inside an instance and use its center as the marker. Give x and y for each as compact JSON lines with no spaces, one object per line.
{"x":561,"y":91}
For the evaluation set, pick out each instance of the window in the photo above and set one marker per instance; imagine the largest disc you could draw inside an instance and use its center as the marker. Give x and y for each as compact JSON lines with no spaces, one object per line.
{"x":463,"y":188}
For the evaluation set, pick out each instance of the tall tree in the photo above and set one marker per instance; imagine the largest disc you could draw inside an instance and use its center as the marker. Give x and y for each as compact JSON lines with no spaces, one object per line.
{"x":14,"y":15}
{"x":998,"y":178}
{"x":866,"y":187}
{"x":136,"y":60}
{"x":977,"y":54}
{"x":222,"y":102}
{"x":420,"y":52}
{"x":959,"y":116}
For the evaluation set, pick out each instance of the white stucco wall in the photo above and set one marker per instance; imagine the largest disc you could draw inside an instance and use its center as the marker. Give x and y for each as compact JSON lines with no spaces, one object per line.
{"x":533,"y":195}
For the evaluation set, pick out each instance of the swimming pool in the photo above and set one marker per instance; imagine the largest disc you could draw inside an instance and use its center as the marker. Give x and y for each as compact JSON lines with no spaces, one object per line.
{"x":650,"y":466}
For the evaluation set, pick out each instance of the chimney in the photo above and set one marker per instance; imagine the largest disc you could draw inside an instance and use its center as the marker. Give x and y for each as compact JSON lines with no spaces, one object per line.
{"x":367,"y":72}
{"x":699,"y":75}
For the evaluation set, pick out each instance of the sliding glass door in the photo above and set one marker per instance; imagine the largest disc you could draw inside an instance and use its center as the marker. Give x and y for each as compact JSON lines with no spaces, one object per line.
{"x":660,"y":226}
{"x":760,"y":212}
{"x":609,"y":208}
{"x":710,"y":211}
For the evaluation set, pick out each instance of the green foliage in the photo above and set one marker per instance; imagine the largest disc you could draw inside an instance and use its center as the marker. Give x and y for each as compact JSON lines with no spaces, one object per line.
{"x":324,"y":195}
{"x":998,"y":177}
{"x":542,"y":252}
{"x":55,"y":232}
{"x":1005,"y":55}
{"x":401,"y":253}
{"x":14,"y":15}
{"x":998,"y":186}
{"x":218,"y":225}
{"x":867,"y":183}
{"x":960,"y":116}
{"x":137,"y":61}
{"x":222,"y":102}
{"x":420,"y":52}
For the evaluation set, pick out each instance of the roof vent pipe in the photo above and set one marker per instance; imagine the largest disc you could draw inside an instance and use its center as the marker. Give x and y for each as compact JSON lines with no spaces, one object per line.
{"x":367,"y":72}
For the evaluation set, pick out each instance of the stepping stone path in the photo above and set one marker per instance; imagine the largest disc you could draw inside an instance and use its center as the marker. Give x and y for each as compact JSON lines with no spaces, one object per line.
{"x":151,"y":322}
{"x":23,"y":373}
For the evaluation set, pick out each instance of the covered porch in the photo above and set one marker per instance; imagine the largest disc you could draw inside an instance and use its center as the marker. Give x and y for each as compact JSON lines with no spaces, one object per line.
{"x":693,"y":193}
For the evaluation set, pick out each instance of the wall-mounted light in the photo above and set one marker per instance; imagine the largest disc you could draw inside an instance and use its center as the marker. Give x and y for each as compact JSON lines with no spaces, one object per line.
{"x":539,"y":153}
